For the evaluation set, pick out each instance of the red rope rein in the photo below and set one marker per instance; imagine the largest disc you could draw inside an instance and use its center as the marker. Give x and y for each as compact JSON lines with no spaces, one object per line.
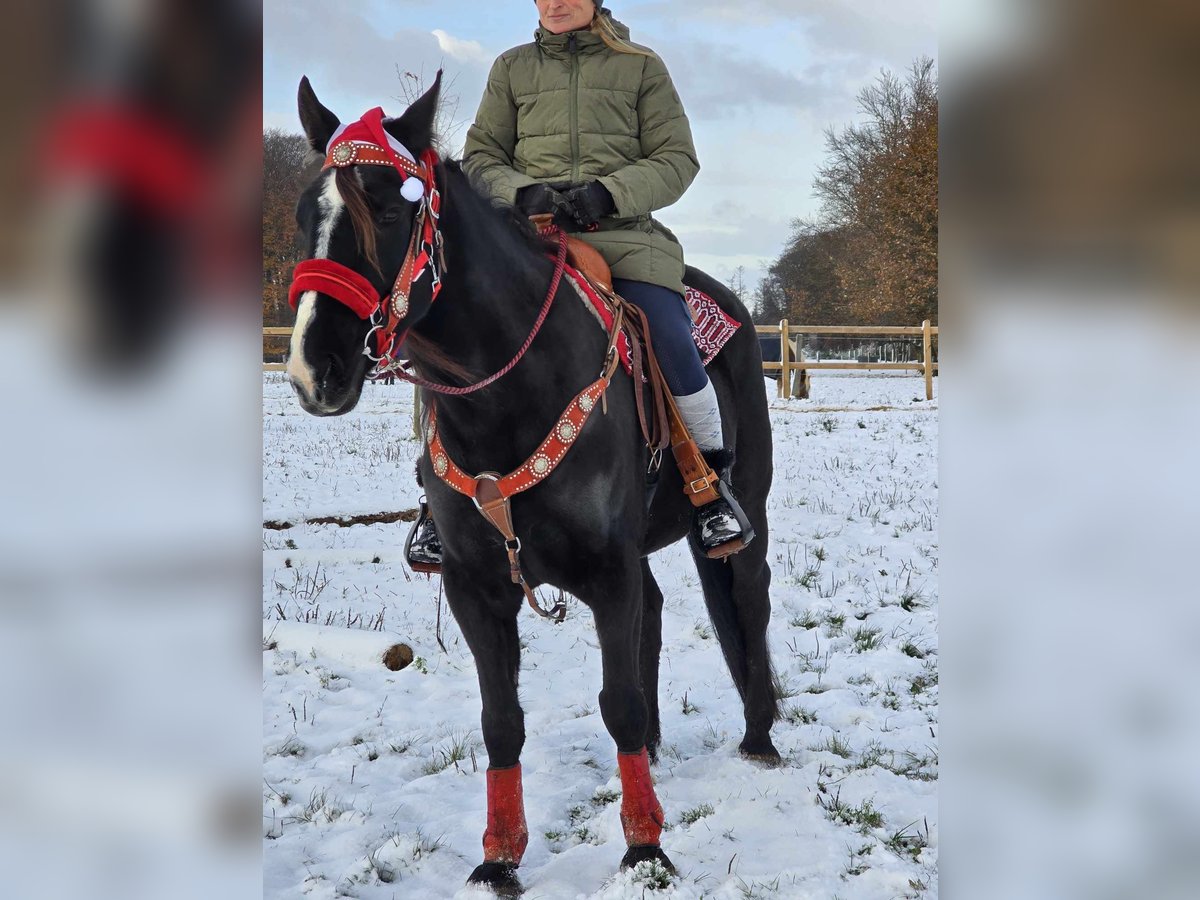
{"x":560,"y":263}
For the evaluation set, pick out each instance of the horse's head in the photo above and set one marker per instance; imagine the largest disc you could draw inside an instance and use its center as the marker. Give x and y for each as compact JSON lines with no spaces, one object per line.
{"x":357,"y":218}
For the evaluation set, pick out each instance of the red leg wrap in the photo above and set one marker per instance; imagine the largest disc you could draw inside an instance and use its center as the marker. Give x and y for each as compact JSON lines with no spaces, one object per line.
{"x":641,"y":813}
{"x":506,"y":835}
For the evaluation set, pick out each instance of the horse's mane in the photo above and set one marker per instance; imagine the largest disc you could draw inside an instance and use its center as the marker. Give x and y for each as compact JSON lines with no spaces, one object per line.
{"x":424,"y":353}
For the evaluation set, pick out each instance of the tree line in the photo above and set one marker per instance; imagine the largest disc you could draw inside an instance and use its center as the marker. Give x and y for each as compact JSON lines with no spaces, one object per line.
{"x":870,"y":256}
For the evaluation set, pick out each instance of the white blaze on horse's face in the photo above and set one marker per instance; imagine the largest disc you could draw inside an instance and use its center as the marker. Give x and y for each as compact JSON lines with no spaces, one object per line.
{"x":299,"y":371}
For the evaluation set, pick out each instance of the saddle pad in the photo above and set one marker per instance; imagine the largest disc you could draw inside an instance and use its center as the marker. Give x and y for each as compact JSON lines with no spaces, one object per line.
{"x":712,"y":327}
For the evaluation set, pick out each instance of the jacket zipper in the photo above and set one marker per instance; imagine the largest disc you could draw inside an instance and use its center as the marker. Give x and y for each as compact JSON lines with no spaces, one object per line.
{"x":574,"y":122}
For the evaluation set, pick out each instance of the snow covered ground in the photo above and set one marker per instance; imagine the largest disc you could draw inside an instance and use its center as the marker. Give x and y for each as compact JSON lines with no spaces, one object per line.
{"x":373,"y":783}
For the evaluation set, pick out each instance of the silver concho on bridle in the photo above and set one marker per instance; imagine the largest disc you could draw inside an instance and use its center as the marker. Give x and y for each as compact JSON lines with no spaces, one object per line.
{"x":343,"y":154}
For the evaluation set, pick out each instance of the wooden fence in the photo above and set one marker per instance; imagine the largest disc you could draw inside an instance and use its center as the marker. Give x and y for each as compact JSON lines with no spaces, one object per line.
{"x":276,"y":331}
{"x":793,"y":373}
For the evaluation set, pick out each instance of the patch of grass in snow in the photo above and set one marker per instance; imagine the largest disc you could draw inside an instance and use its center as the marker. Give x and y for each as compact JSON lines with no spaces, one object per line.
{"x":401,"y":746}
{"x":891,"y":700}
{"x":834,"y":622}
{"x":807,"y":621}
{"x":459,"y":747}
{"x":799,"y":715}
{"x":758,"y":890}
{"x":911,"y":599}
{"x":293,"y":746}
{"x":605,"y":796}
{"x":906,"y":844}
{"x":702,"y":630}
{"x":696,"y":813}
{"x":322,"y":808}
{"x":917,"y":766}
{"x":856,"y":866}
{"x":651,"y":875}
{"x":918,"y":887}
{"x":865,"y":639}
{"x":862,"y":817}
{"x":833,"y":744}
{"x":808,"y":579}
{"x":689,"y":708}
{"x":908,"y":648}
{"x":927,"y":678}
{"x":872,"y":755}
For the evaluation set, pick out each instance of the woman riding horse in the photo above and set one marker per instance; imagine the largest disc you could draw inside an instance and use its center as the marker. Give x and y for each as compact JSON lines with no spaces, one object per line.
{"x":586,"y":127}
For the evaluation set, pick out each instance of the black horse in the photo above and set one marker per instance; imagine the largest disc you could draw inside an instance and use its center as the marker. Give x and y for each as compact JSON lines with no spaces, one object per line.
{"x":586,"y":529}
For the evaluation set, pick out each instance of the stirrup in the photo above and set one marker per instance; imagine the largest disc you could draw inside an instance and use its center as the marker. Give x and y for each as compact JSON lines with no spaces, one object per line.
{"x":724,"y":505}
{"x":423,"y":547}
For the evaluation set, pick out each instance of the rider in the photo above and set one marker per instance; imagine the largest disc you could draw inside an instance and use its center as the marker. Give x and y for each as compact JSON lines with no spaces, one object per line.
{"x":586,"y":126}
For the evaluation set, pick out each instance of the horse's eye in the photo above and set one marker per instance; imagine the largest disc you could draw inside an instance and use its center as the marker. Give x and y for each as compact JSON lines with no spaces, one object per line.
{"x":389,"y":217}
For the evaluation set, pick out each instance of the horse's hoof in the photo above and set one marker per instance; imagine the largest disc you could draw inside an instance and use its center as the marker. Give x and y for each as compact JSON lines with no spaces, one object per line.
{"x":500,"y":877}
{"x":644,"y":853}
{"x":761,"y":753}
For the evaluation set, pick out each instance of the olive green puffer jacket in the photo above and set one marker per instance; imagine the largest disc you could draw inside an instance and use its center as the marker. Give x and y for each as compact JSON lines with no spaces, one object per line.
{"x":567,"y":108}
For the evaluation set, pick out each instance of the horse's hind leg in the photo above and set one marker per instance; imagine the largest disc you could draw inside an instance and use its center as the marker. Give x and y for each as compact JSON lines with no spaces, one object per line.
{"x":617,"y":610}
{"x":649,"y":654}
{"x":736,"y":593}
{"x":495,"y":644}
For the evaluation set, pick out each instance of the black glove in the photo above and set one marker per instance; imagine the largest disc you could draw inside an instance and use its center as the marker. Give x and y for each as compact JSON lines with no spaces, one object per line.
{"x":537,"y":199}
{"x":589,"y":202}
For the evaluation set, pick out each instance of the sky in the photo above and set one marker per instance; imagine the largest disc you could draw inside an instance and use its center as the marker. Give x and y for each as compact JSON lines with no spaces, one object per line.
{"x":761,"y":80}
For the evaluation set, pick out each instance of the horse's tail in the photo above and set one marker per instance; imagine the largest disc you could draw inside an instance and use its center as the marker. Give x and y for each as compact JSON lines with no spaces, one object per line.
{"x":736,"y":595}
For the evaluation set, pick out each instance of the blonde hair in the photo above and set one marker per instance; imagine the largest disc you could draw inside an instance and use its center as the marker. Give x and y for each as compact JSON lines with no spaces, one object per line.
{"x":602,"y":25}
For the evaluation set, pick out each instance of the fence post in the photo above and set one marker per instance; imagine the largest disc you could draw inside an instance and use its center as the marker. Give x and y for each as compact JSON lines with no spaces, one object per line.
{"x":800,"y":381}
{"x":928,"y":341}
{"x":785,"y":356}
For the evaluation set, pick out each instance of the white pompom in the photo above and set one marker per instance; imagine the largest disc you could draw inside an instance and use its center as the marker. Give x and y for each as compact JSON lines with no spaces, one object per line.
{"x":412,"y":189}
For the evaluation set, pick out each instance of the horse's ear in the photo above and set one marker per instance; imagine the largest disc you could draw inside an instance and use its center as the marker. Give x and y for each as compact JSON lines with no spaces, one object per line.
{"x":415,"y":127}
{"x":318,"y":122}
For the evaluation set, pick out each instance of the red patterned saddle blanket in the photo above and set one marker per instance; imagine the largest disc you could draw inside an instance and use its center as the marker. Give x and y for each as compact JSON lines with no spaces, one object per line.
{"x":712,"y":327}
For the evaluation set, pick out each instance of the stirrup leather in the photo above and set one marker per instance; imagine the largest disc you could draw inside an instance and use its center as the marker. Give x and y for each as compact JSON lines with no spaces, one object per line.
{"x":705,"y":489}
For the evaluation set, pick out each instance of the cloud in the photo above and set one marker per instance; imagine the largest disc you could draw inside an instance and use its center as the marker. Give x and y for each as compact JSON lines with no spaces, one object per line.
{"x":717,"y":82}
{"x":352,"y":65}
{"x":886,"y":31}
{"x":466,"y":51}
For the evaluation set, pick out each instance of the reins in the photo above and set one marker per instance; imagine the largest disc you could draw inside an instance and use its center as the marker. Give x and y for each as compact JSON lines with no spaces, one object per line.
{"x":559,"y":265}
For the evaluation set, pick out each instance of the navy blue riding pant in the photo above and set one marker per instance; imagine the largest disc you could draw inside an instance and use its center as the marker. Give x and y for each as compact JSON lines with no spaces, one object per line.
{"x":671,"y":331}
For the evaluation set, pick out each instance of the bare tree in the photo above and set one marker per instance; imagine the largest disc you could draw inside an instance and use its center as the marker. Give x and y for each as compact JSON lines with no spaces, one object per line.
{"x":446,"y":124}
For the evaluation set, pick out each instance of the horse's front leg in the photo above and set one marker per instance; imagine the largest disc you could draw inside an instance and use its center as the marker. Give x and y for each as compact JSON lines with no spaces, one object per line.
{"x":490,"y":629}
{"x":617,"y":610}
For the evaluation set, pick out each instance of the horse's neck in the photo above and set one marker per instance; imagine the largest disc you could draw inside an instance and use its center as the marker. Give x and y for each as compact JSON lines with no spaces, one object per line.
{"x":493,"y":290}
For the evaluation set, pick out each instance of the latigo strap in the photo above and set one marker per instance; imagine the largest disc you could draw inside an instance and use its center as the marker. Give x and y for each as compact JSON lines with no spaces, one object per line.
{"x":699,"y":480}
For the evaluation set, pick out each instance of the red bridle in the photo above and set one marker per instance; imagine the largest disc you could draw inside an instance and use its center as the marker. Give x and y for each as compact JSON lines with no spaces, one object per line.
{"x":365,"y":142}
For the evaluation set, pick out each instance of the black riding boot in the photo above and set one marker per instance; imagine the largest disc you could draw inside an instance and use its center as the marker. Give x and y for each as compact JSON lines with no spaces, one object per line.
{"x":423,"y":549}
{"x":720,"y":527}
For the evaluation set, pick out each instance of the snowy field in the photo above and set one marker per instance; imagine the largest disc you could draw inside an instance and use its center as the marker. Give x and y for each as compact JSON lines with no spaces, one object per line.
{"x":373,"y":780}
